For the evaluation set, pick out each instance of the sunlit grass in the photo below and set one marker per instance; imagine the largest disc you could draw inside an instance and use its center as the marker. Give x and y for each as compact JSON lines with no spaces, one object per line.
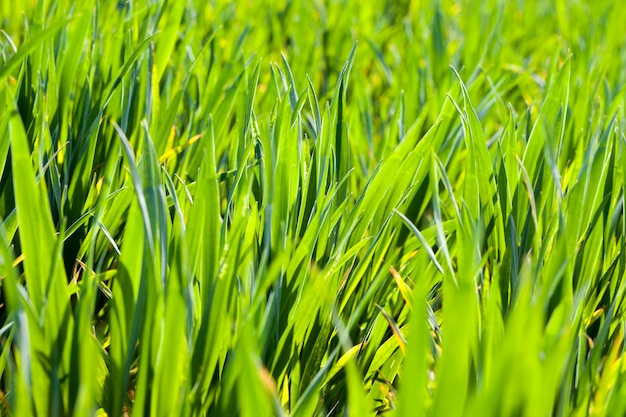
{"x":312,"y":208}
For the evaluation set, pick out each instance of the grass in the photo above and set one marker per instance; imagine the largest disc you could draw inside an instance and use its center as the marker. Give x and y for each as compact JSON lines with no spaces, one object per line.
{"x":312,"y":208}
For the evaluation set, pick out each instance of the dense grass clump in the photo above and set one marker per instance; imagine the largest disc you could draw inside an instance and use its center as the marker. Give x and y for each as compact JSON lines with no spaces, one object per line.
{"x":312,"y":208}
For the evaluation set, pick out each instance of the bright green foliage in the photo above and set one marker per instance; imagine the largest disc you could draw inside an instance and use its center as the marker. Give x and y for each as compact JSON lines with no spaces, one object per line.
{"x":312,"y":208}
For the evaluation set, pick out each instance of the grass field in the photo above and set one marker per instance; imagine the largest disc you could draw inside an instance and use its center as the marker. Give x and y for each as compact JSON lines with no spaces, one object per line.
{"x":312,"y":208}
